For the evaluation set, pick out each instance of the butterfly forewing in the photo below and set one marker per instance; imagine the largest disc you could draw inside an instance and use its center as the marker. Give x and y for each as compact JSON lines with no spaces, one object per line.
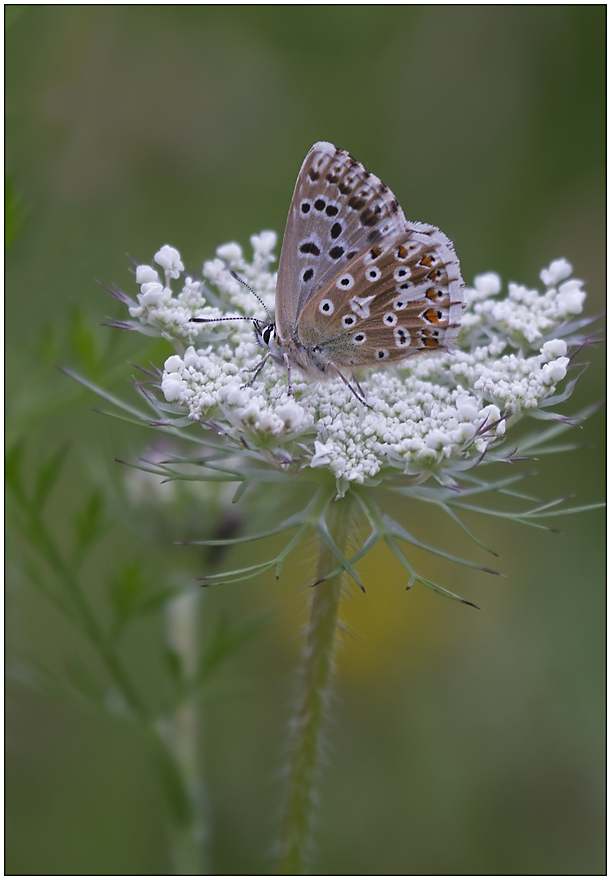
{"x":401,"y":296}
{"x":338,"y":210}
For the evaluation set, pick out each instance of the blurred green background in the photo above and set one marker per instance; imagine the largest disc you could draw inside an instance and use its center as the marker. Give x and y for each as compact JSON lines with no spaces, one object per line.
{"x":463,"y":742}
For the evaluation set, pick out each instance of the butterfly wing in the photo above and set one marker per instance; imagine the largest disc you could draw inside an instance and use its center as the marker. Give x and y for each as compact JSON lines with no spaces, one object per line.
{"x":338,"y":210}
{"x":401,"y":296}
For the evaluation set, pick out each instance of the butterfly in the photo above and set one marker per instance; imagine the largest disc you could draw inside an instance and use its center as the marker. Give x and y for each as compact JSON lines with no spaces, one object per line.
{"x":358,"y":285}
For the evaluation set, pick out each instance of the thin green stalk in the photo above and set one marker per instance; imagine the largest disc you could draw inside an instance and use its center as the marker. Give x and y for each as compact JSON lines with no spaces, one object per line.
{"x":308,"y":722}
{"x":182,"y":736}
{"x":63,"y":570}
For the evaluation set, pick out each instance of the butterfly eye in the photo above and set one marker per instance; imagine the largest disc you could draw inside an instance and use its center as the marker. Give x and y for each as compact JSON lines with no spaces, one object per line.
{"x":390,"y":319}
{"x":307,"y":275}
{"x":320,"y":204}
{"x":359,"y":338}
{"x":348,"y":320}
{"x":326,"y":307}
{"x":336,"y":230}
{"x":399,"y":304}
{"x":381,"y":354}
{"x":306,"y":207}
{"x":372,"y":274}
{"x":401,"y":253}
{"x":267,"y":334}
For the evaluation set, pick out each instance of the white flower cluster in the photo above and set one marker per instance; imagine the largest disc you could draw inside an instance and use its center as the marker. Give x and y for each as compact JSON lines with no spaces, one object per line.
{"x":157,"y":305}
{"x":525,"y":316}
{"x":429,"y":412}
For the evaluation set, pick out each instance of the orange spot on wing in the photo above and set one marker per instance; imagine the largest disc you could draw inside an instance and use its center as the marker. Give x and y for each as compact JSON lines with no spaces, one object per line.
{"x":432,"y":316}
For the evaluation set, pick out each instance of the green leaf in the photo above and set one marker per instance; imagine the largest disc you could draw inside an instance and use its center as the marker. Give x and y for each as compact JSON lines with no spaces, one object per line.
{"x":32,"y":675}
{"x":392,"y":527}
{"x":89,"y":522}
{"x":47,"y":476}
{"x":49,"y":344}
{"x":82,"y":340}
{"x":226,"y":640}
{"x":155,"y":600}
{"x":130,"y":596}
{"x":125,"y":592}
{"x":345,"y":563}
{"x":415,"y":577}
{"x":136,"y":417}
{"x":172,"y":782}
{"x":290,"y":523}
{"x":14,"y":457}
{"x":173,"y":662}
{"x":85,"y":683}
{"x":239,"y":574}
{"x":39,"y":580}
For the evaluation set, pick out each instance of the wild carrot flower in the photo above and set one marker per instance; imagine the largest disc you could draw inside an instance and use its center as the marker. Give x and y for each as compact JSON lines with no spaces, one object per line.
{"x":428,"y":423}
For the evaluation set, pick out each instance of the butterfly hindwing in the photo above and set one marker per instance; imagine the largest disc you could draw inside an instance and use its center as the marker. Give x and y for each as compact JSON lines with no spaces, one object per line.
{"x":399,"y":297}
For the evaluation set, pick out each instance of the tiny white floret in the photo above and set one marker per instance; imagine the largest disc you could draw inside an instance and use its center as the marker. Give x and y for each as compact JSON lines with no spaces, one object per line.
{"x":292,"y":415}
{"x":191,"y":358}
{"x":557,"y":271}
{"x":554,"y":348}
{"x":556,"y":371}
{"x":323,"y":454}
{"x":169,"y":260}
{"x":488,"y":284}
{"x":146,"y":273}
{"x":173,"y":364}
{"x":171,"y":387}
{"x":571,"y":297}
{"x":231,"y":252}
{"x":264,"y":243}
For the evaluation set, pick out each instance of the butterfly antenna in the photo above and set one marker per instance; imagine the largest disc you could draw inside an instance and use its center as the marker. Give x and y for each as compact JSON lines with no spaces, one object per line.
{"x":248,"y":287}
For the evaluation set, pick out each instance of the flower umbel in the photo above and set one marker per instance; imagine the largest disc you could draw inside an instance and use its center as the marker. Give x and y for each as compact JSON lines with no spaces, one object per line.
{"x":433,"y":416}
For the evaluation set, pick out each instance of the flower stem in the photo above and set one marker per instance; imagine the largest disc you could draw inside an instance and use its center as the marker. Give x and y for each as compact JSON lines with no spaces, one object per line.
{"x":308,"y":721}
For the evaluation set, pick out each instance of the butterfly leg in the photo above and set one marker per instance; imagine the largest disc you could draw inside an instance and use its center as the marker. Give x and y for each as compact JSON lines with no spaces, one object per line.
{"x":358,"y":385}
{"x":256,"y":370}
{"x":348,"y":385}
{"x":287,"y":364}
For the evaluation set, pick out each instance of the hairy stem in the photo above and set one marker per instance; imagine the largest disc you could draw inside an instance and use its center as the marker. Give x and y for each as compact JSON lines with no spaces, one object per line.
{"x":308,"y":721}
